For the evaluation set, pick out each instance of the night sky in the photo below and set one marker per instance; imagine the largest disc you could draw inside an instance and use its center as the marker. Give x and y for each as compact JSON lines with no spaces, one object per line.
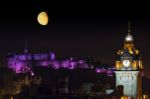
{"x":96,"y":31}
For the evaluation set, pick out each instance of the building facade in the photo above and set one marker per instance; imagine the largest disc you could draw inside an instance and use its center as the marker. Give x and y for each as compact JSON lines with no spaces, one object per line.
{"x":129,"y":68}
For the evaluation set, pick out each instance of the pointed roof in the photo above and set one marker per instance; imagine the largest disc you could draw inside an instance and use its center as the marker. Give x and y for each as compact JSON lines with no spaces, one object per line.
{"x":129,"y":27}
{"x":129,"y":37}
{"x":26,"y":47}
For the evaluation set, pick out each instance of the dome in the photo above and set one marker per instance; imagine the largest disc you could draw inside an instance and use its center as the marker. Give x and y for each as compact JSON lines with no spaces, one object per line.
{"x":129,"y":38}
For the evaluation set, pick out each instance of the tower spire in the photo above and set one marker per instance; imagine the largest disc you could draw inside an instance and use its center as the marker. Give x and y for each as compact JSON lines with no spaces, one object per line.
{"x":26,"y":47}
{"x":129,"y":27}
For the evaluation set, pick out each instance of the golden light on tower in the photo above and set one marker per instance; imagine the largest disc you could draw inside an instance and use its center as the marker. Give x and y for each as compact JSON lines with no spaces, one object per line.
{"x":125,"y":97}
{"x":135,"y":64}
{"x":42,"y":18}
{"x":118,"y":64}
{"x":11,"y":97}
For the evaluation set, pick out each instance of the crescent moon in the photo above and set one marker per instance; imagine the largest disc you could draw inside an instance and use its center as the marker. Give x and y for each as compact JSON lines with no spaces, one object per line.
{"x":42,"y":18}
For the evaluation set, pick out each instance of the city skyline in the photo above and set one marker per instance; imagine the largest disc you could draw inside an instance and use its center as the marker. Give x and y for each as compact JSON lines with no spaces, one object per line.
{"x":73,"y":35}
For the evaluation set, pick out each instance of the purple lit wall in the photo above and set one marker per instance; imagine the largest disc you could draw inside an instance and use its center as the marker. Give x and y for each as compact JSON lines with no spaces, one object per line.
{"x":22,"y":63}
{"x":108,"y":71}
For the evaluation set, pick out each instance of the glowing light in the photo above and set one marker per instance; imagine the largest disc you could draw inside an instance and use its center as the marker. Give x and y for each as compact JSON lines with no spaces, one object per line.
{"x":118,"y":64}
{"x":125,"y":97}
{"x":126,"y":63}
{"x":137,"y":52}
{"x":145,"y":96}
{"x":65,"y":63}
{"x":11,"y":97}
{"x":98,"y":70}
{"x":129,"y":38}
{"x":52,"y":56}
{"x":140,"y":64}
{"x":21,"y":64}
{"x":32,"y":74}
{"x":109,"y":72}
{"x":56,"y":65}
{"x":72,"y":65}
{"x":42,"y":18}
{"x":44,"y":63}
{"x":81,"y":61}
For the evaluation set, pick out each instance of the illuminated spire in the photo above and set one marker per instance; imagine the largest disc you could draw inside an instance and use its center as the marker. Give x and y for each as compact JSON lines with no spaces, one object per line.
{"x":129,"y":27}
{"x":129,"y":37}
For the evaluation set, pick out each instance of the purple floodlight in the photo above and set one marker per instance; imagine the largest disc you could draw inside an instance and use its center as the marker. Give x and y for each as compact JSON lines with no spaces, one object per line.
{"x":98,"y":70}
{"x":81,"y":61}
{"x":44,"y":63}
{"x":65,"y":64}
{"x":109,"y":72}
{"x":32,"y":74}
{"x":40,"y":56}
{"x":19,"y":66}
{"x":23,"y":57}
{"x":72,"y":65}
{"x":56,"y":65}
{"x":19,"y":62}
{"x":52,"y":56}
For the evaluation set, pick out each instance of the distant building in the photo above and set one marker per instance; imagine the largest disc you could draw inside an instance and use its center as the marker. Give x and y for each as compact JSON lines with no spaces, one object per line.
{"x":21,"y":63}
{"x":26,"y":62}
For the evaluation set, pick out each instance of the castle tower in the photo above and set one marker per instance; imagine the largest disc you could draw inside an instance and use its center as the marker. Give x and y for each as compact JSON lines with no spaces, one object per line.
{"x":26,"y":47}
{"x":129,"y":68}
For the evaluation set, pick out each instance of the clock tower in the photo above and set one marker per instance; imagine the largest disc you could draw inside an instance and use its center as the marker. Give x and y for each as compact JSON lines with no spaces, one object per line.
{"x":128,"y":68}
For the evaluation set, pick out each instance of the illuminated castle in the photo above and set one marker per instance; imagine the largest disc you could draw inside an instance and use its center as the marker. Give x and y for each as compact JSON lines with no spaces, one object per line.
{"x":129,"y":68}
{"x":24,"y":62}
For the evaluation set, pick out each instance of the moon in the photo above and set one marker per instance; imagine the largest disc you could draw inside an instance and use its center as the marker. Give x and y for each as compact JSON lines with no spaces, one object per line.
{"x":42,"y":18}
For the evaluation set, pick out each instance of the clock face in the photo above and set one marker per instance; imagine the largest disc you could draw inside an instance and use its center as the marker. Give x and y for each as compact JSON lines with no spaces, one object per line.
{"x":126,"y":63}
